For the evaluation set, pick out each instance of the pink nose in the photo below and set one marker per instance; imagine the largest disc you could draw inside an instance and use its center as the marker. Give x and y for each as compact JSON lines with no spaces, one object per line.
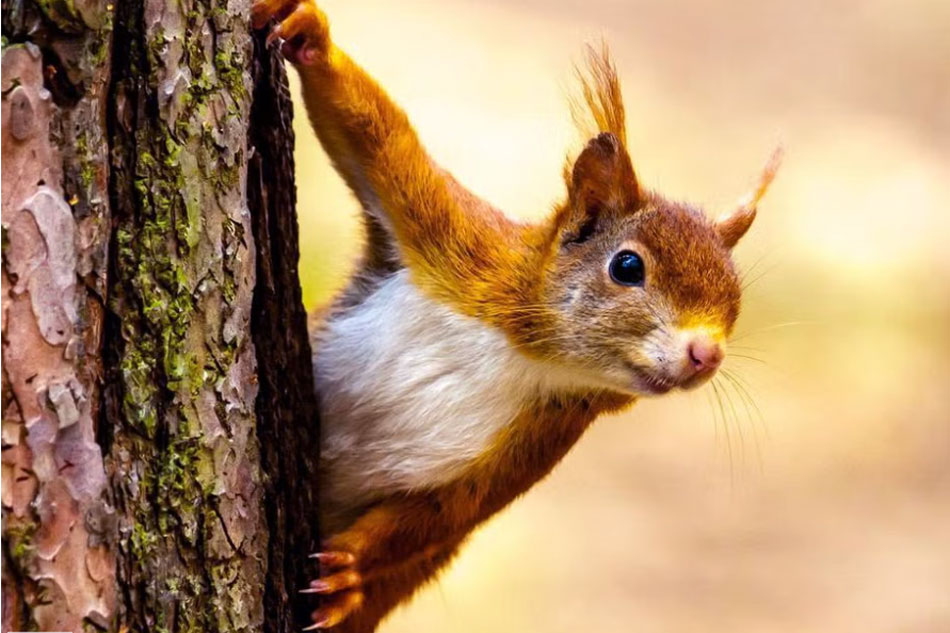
{"x":704,"y":354}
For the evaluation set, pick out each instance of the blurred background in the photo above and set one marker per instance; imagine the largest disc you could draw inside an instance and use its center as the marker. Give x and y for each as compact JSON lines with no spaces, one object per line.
{"x":817,"y":496}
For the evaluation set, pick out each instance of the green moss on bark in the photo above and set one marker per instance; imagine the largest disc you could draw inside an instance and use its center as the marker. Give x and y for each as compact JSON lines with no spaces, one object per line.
{"x":19,"y":536}
{"x":182,"y":285}
{"x":62,"y":13}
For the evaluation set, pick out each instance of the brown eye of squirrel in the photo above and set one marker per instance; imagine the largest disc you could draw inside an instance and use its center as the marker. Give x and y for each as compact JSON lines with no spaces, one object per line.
{"x":626,"y":268}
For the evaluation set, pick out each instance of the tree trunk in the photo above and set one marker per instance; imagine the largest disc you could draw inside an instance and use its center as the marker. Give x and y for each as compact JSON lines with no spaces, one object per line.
{"x":159,"y":424}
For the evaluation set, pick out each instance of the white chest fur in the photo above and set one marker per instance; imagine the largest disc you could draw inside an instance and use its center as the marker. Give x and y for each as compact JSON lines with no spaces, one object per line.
{"x":412,"y":392}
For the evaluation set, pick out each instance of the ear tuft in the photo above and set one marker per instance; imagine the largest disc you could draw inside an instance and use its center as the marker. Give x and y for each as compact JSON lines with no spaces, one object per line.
{"x":599,"y":107}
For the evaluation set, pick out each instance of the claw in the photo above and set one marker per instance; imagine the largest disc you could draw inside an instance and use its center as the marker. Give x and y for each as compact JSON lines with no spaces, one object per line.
{"x":300,"y":27}
{"x":335,"y":612}
{"x":335,"y":582}
{"x":273,"y":36}
{"x":335,"y":559}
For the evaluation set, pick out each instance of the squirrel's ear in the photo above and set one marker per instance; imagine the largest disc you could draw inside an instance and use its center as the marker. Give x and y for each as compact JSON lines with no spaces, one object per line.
{"x":733,"y":225}
{"x":602,"y":178}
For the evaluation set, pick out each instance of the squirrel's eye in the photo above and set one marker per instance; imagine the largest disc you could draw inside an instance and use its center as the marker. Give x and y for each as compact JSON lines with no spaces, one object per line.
{"x":626,"y":268}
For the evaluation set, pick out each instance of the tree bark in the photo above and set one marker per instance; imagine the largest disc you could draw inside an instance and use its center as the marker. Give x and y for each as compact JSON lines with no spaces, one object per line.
{"x":159,"y":426}
{"x":59,"y":564}
{"x":286,"y":401}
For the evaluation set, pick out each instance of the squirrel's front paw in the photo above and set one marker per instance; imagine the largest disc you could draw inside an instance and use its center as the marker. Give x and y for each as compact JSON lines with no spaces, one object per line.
{"x":342,"y":586}
{"x":300,"y":24}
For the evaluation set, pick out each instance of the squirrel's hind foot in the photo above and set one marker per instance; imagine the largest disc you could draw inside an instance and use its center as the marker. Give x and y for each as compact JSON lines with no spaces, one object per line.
{"x":342,"y":588}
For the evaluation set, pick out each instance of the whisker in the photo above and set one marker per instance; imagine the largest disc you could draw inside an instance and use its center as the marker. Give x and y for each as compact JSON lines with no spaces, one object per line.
{"x":725,"y":426}
{"x":735,"y":417}
{"x":771,"y":328}
{"x":748,"y":357}
{"x":748,"y":283}
{"x":744,"y":274}
{"x":748,"y":348}
{"x":744,"y":398}
{"x":745,"y":388}
{"x":712,"y":408}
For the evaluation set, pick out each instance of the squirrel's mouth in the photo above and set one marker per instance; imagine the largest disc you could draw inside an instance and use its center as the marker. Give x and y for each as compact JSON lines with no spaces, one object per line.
{"x":651,"y":383}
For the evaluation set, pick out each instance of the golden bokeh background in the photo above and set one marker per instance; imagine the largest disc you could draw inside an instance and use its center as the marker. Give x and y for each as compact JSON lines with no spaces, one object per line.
{"x":825,"y":506}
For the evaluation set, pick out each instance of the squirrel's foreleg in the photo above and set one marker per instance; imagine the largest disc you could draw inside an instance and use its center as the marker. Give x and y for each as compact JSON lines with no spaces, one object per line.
{"x":375,"y":149}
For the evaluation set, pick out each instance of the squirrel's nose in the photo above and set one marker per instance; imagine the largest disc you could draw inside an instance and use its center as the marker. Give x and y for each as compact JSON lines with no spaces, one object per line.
{"x":705,"y":354}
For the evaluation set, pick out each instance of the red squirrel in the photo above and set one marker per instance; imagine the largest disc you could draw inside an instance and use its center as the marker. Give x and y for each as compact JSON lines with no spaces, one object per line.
{"x":470,"y":351}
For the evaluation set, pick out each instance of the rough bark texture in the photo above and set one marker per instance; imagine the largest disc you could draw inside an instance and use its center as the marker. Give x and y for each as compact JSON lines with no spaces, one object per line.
{"x":136,"y":495}
{"x":59,"y":569}
{"x":286,"y":404}
{"x":184,"y":459}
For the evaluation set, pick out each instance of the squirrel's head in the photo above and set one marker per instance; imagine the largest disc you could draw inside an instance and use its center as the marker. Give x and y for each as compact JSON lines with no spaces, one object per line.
{"x":641,"y":293}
